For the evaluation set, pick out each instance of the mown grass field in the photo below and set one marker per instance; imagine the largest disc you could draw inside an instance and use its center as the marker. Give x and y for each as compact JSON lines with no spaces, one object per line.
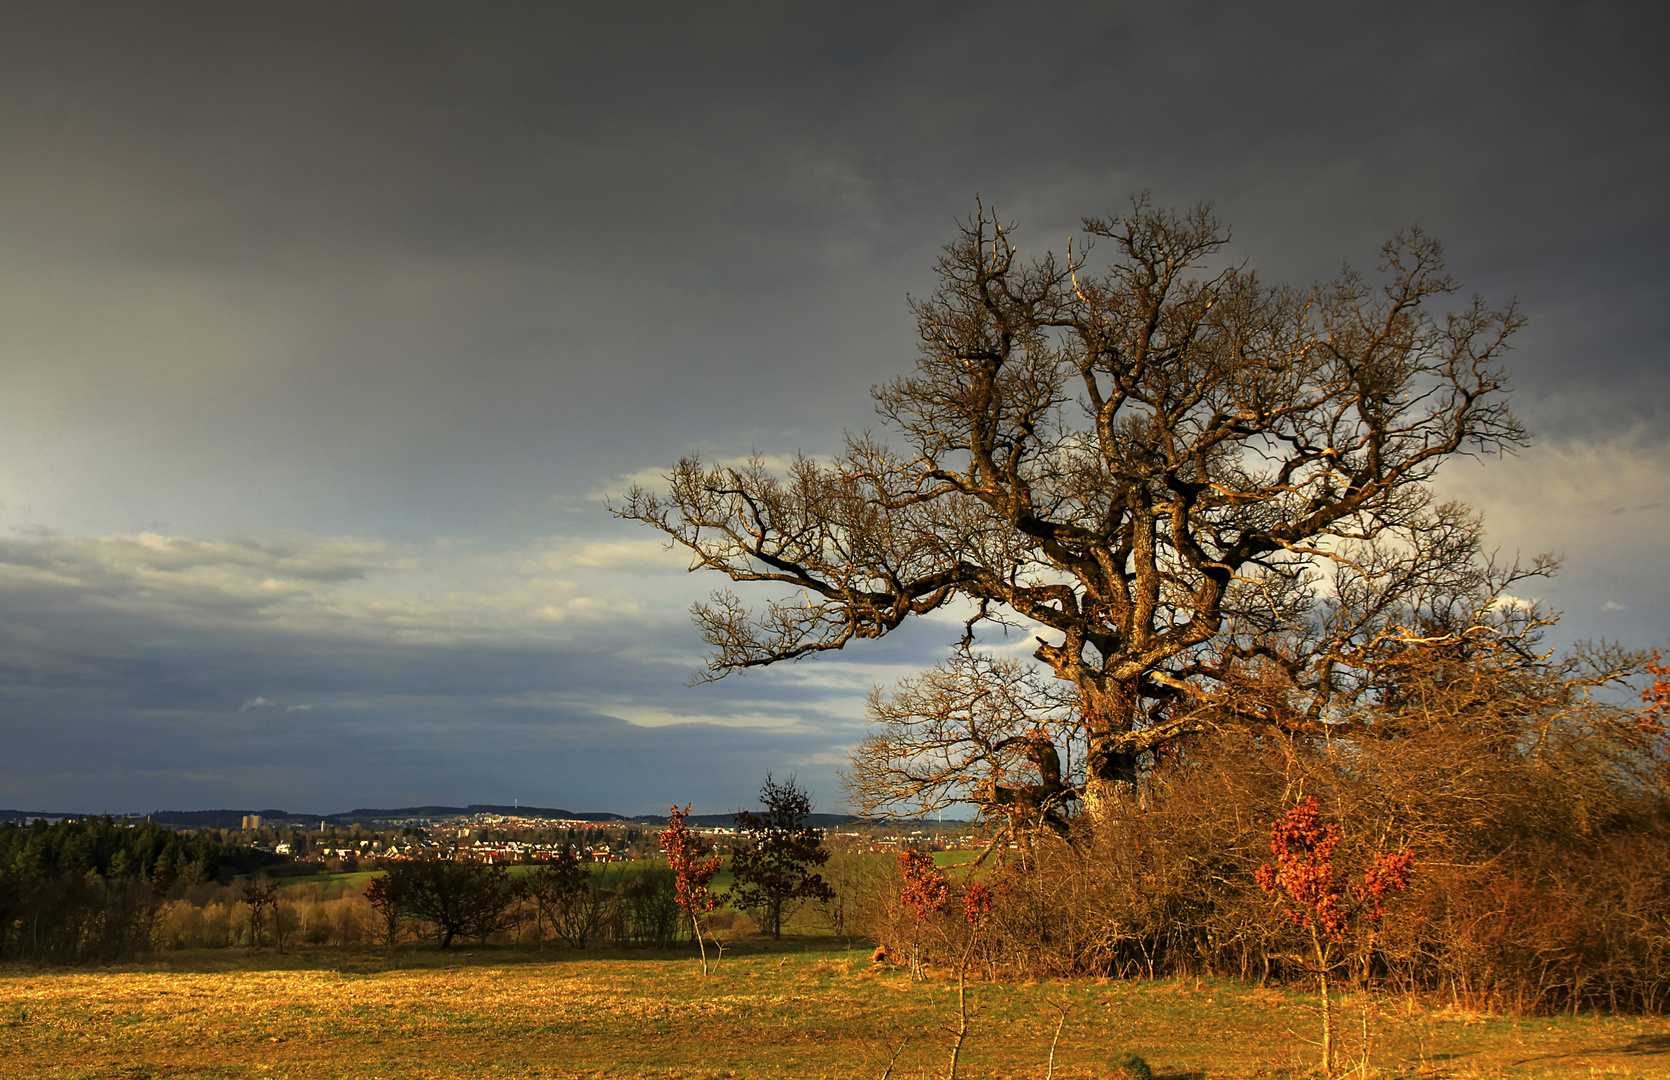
{"x":807,"y":1009}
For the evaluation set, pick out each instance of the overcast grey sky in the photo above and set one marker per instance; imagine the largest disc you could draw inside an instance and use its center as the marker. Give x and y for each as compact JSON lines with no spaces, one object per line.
{"x":325,"y":329}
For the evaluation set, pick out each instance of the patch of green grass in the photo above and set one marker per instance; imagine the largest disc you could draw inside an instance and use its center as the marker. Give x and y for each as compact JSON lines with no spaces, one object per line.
{"x":959,"y":857}
{"x":350,"y":882}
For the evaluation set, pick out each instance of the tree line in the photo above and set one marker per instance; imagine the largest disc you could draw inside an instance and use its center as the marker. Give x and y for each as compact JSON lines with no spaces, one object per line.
{"x":773,"y":868}
{"x":98,"y":890}
{"x":89,"y":890}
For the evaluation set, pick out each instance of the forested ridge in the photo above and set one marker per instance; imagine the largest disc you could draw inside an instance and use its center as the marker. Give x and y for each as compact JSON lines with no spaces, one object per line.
{"x":116,"y":848}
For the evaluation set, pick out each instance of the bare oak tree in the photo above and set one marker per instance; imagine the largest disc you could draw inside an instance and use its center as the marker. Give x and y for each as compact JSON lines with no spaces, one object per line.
{"x":1169,"y":473}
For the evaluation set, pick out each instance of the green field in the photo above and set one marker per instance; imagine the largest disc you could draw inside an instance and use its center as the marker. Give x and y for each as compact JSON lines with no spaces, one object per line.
{"x":800,"y":1009}
{"x":606,"y":874}
{"x":350,"y":882}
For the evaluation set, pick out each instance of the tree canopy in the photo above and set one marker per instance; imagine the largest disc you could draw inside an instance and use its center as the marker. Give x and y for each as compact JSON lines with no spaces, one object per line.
{"x":1178,"y":478}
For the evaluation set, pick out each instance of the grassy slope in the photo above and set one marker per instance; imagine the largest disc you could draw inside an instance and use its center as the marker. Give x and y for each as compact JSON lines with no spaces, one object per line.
{"x":802,"y":1012}
{"x":345,"y":883}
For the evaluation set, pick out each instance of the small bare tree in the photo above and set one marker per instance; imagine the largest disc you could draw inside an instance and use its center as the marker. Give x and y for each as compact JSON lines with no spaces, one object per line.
{"x":261,"y":896}
{"x":387,"y":899}
{"x":975,"y":730}
{"x":566,"y":896}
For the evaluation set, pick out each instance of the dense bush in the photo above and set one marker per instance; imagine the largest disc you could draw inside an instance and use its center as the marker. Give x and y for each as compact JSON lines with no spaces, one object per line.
{"x":645,"y":911}
{"x":1536,"y":817}
{"x":214,"y":916}
{"x":456,"y":898}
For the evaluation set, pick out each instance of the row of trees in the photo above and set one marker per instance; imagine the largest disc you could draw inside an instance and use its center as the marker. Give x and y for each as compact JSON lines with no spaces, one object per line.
{"x":447,"y":900}
{"x":772,"y":871}
{"x":1204,"y":503}
{"x":96,"y":890}
{"x":90,"y":890}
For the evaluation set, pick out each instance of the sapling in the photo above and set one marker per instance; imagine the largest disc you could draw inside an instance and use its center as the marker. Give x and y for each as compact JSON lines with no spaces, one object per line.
{"x":1303,"y":877}
{"x":694,"y":864}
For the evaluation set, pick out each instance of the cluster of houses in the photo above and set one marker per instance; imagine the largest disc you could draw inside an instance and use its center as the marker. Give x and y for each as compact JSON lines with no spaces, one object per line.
{"x":489,"y":838}
{"x":505,"y":839}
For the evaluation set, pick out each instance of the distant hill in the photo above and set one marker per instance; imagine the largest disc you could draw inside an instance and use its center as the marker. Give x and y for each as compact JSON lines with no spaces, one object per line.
{"x":368,"y":815}
{"x":215,"y":819}
{"x":474,"y":808}
{"x":25,"y":815}
{"x":232,"y":819}
{"x":179,"y":819}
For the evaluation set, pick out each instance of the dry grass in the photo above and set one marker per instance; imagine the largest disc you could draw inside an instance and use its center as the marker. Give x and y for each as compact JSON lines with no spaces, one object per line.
{"x":501,"y":1013}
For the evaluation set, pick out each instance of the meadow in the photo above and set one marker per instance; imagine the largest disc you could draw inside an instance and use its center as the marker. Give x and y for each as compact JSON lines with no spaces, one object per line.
{"x":800,"y":1008}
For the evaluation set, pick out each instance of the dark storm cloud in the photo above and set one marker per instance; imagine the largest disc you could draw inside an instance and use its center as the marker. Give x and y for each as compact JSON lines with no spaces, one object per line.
{"x":139,"y":669}
{"x":436,"y":274}
{"x":452,"y":240}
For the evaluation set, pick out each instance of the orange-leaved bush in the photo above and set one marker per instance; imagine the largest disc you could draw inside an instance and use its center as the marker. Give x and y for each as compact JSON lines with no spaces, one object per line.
{"x":1303,"y":875}
{"x":1652,"y":725}
{"x":927,"y":890}
{"x":1304,"y":872}
{"x":1389,"y":872}
{"x":926,"y":894}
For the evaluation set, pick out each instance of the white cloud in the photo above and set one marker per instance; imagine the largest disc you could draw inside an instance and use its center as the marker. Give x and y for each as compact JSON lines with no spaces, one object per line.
{"x":649,"y":717}
{"x":771,"y":463}
{"x":1591,"y":499}
{"x":1603,"y":505}
{"x":654,"y":477}
{"x":640,"y":555}
{"x":352,"y":585}
{"x":1509,"y":602}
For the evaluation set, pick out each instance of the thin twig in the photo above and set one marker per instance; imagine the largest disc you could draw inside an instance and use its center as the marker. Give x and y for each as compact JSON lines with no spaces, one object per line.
{"x":962,"y":1022}
{"x":887,"y":1072}
{"x":962,"y":1010}
{"x":1059,"y":1024}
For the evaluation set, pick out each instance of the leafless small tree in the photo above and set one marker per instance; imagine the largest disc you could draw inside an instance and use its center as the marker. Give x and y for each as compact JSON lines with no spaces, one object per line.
{"x":975,"y":730}
{"x":386,"y":899}
{"x":261,"y":895}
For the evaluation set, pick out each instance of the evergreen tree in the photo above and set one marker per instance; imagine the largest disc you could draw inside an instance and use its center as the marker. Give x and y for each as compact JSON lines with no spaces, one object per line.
{"x":774,"y":871}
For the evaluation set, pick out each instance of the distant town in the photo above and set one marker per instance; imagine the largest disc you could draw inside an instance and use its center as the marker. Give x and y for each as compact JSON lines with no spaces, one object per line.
{"x":290,"y":844}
